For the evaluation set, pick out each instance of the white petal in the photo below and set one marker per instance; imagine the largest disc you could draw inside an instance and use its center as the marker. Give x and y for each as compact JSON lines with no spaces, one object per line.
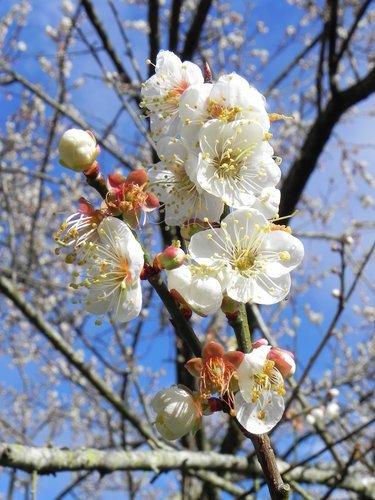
{"x":97,"y":302}
{"x":260,"y":289}
{"x":129,"y":304}
{"x":288,"y":247}
{"x":268,"y":291}
{"x":177,"y":412}
{"x":204,"y":245}
{"x":268,"y":202}
{"x":245,"y":221}
{"x":117,"y":235}
{"x":252,"y":363}
{"x":167,"y":63}
{"x":248,"y":414}
{"x":240,"y":288}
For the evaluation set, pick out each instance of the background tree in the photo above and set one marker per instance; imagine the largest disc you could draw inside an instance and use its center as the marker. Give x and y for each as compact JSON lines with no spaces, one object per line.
{"x":70,"y":383}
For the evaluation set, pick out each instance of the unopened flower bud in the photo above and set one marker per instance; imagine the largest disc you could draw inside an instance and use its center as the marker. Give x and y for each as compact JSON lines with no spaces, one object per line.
{"x":178,"y":412}
{"x":336,"y":293}
{"x":315,"y":416}
{"x":333,"y":410}
{"x":171,"y":258}
{"x":78,"y":150}
{"x":333,"y":393}
{"x":284,"y":361}
{"x":207,"y":73}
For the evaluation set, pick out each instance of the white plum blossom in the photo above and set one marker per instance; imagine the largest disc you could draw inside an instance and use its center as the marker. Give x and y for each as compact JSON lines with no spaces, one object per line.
{"x":201,"y":287}
{"x":259,"y":259}
{"x":113,"y":270}
{"x":162,"y":92}
{"x":178,"y":412}
{"x":230,"y":98}
{"x":235,"y":163}
{"x":259,"y":404}
{"x":78,"y":149}
{"x":183,"y":200}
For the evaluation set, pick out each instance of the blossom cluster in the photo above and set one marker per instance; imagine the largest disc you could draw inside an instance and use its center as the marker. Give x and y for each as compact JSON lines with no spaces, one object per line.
{"x":216,"y":180}
{"x":211,"y":139}
{"x":248,"y":386}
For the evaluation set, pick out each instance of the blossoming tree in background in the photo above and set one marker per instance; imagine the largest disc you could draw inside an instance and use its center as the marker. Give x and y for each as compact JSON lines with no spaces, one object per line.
{"x":160,"y":329}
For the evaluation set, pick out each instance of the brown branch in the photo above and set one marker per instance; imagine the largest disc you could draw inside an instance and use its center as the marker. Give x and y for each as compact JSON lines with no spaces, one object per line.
{"x":174,"y":24}
{"x":340,"y":308}
{"x":332,"y":6}
{"x":195,"y":30}
{"x":293,"y":63}
{"x":263,"y":449}
{"x":99,"y":28}
{"x":154,"y":36}
{"x":37,"y":320}
{"x":46,"y":460}
{"x":65,"y":111}
{"x":346,"y":41}
{"x":128,"y":47}
{"x":319,"y":134}
{"x":276,"y":486}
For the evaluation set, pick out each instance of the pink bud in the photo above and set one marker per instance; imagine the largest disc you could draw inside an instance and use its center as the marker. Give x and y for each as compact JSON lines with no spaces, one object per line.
{"x":207,"y":73}
{"x":258,"y":343}
{"x":171,"y":258}
{"x":284,"y":361}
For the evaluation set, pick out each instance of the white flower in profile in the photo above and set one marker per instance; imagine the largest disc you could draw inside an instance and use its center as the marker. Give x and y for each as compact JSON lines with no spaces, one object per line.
{"x":200,"y":287}
{"x":183,"y":199}
{"x":113,"y":270}
{"x":162,"y":92}
{"x":259,"y":404}
{"x":178,"y":412}
{"x":258,"y":258}
{"x":235,"y":163}
{"x":230,"y":98}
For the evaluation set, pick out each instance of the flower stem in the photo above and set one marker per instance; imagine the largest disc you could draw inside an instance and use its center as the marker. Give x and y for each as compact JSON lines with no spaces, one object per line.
{"x":241,"y":329}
